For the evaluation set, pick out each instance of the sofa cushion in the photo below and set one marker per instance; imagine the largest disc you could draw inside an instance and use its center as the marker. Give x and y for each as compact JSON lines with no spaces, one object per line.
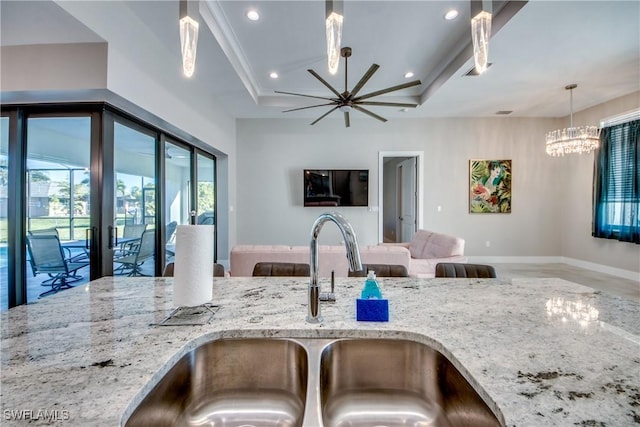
{"x":427,"y":244}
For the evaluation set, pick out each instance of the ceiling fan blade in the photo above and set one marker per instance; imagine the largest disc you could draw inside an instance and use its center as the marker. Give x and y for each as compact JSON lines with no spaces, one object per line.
{"x":347,"y":121}
{"x":324,"y":82}
{"x":387,"y":90}
{"x":324,"y":115}
{"x":370,"y":113}
{"x":306,"y":96}
{"x":311,"y":106}
{"x":364,"y":79}
{"x":387,"y":104}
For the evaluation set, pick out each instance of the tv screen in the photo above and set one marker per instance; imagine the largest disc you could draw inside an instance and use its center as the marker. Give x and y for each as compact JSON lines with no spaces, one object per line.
{"x":336,"y":187}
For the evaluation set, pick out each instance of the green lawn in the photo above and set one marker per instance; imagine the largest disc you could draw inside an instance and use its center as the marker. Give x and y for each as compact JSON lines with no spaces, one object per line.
{"x":60,"y":223}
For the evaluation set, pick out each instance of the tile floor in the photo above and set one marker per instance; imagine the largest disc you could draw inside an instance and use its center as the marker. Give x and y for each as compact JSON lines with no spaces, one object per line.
{"x":601,"y":281}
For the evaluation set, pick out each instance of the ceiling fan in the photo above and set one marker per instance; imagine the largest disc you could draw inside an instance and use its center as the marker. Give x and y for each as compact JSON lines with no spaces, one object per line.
{"x":347,"y":101}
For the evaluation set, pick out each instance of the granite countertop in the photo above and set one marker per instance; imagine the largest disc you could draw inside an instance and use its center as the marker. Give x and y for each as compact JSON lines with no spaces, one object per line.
{"x":542,"y":352}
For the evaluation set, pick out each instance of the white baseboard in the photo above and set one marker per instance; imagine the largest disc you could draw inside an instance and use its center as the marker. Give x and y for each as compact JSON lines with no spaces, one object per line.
{"x":619,"y":272}
{"x":515,"y":259}
{"x":626,"y":274}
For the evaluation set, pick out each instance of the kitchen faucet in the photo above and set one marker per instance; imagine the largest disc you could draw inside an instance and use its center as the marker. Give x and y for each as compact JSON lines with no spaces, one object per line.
{"x":353,"y":255}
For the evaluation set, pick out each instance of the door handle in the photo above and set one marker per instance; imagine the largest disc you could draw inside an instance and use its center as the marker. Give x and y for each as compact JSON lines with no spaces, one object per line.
{"x":88,"y":237}
{"x":111,"y":237}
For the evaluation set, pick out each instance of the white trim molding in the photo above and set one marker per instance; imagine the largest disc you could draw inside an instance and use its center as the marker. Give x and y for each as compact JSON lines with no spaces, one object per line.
{"x":620,"y":118}
{"x":600,"y":268}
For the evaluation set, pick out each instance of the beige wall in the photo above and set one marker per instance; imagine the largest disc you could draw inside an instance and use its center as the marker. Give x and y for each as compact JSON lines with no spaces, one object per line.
{"x":53,"y":67}
{"x":272,"y":154}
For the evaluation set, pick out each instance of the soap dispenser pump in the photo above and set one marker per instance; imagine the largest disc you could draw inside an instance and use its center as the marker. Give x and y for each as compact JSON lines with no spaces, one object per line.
{"x":371,"y":289}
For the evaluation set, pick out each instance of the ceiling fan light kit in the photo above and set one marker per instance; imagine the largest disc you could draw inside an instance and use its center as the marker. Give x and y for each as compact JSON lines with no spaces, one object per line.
{"x":579,"y":139}
{"x":348,"y":100}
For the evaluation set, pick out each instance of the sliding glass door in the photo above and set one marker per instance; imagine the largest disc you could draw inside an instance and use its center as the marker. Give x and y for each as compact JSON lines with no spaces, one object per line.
{"x":58,"y":208}
{"x":206,"y":197}
{"x":177,"y":179}
{"x":134,"y":220}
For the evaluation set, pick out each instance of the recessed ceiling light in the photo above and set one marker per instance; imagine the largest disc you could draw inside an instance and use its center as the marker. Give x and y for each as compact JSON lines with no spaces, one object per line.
{"x":253,"y":15}
{"x":451,"y":15}
{"x":408,"y":74}
{"x":273,"y":75}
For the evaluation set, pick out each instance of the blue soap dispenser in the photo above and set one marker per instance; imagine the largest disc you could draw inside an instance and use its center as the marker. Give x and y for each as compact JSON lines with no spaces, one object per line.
{"x":371,"y":307}
{"x":371,"y":289}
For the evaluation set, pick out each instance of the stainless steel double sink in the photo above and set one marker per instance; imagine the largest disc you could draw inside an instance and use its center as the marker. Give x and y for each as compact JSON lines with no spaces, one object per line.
{"x":287,"y":382}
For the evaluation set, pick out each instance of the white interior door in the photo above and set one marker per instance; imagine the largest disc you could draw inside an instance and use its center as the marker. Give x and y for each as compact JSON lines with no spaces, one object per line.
{"x":407,"y":198}
{"x":389,"y":193}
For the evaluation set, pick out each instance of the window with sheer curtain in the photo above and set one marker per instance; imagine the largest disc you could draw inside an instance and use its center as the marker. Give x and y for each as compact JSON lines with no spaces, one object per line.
{"x":616,"y":198}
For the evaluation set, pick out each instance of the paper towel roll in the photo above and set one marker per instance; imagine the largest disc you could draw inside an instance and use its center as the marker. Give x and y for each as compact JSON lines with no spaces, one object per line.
{"x":193,"y":270}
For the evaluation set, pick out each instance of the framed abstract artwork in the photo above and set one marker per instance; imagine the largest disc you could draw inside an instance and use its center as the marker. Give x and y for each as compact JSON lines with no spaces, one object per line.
{"x":490,"y":186}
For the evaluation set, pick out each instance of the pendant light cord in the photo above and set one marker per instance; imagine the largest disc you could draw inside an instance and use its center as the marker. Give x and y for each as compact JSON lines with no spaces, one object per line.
{"x":571,"y":107}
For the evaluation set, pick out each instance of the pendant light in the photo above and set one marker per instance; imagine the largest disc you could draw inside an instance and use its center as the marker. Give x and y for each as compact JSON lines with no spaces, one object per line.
{"x":188,"y":39}
{"x":579,"y":139}
{"x":480,"y":33}
{"x":333,"y":25}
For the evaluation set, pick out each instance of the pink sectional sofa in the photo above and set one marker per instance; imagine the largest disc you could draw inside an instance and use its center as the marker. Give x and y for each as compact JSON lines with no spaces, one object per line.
{"x":331,"y":258}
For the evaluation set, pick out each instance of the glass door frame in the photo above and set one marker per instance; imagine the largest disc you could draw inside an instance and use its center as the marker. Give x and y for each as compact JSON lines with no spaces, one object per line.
{"x":194,"y":191}
{"x":16,"y":209}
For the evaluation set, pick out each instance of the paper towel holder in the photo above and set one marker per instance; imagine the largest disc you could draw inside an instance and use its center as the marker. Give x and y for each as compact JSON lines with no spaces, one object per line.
{"x":190,"y":316}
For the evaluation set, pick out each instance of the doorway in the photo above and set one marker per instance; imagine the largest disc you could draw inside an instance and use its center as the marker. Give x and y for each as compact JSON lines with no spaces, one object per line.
{"x":400,"y":196}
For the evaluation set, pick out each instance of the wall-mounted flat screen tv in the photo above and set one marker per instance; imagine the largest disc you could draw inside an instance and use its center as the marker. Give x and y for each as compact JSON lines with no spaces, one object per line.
{"x":336,"y":187}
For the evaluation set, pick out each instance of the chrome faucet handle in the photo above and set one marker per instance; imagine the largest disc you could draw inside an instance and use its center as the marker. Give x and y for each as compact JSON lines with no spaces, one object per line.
{"x":329,"y":296}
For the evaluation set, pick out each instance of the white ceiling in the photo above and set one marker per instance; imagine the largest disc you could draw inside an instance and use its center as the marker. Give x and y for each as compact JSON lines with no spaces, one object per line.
{"x":539,"y":50}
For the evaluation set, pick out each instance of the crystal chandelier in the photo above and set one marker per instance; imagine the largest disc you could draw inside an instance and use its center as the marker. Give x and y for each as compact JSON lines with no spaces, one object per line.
{"x":579,"y":139}
{"x":188,"y":40}
{"x":480,"y":34}
{"x":334,"y":33}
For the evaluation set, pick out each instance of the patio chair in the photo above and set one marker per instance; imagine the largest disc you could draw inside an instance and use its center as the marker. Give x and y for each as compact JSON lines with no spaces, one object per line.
{"x":169,"y":232}
{"x":46,"y":256}
{"x":131,"y":231}
{"x":49,"y":232}
{"x":131,"y":263}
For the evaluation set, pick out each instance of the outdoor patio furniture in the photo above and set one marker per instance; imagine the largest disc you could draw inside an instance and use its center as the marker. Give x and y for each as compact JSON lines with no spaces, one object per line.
{"x":131,"y":231}
{"x":131,"y":263}
{"x":170,"y":231}
{"x":47,"y":256}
